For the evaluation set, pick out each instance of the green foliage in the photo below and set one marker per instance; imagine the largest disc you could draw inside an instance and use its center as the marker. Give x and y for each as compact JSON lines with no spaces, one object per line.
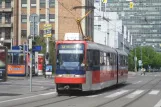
{"x":149,"y":57}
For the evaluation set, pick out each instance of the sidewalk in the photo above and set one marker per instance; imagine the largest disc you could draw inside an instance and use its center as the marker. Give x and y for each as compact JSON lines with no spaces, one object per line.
{"x":17,"y":87}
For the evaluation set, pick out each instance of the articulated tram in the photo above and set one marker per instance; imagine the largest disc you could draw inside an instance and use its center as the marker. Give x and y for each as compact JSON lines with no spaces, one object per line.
{"x":88,"y":66}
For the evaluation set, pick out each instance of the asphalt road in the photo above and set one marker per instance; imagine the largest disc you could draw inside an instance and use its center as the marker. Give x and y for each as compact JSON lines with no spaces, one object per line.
{"x":139,"y":91}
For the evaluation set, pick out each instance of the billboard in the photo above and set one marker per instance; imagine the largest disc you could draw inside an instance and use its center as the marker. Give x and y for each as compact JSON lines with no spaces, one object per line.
{"x":3,"y":63}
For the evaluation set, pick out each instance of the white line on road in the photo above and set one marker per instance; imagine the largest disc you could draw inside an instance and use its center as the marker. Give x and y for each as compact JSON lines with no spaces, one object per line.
{"x":16,"y":99}
{"x":94,"y":95}
{"x":49,"y":93}
{"x":138,"y":82}
{"x":116,"y":94}
{"x":132,"y":95}
{"x":154,"y":92}
{"x":158,"y":104}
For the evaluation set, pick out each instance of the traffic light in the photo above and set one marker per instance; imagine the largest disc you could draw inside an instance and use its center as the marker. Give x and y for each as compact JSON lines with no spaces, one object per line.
{"x":33,"y":42}
{"x":47,"y":55}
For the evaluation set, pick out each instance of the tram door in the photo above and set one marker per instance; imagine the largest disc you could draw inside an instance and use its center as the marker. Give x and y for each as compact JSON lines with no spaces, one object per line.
{"x":3,"y":63}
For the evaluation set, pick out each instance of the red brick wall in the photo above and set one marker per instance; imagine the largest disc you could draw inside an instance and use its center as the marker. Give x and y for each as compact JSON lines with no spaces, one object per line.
{"x":66,"y":21}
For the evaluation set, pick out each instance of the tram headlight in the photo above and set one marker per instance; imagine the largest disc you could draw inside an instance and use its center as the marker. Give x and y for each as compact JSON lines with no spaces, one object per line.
{"x":59,"y":75}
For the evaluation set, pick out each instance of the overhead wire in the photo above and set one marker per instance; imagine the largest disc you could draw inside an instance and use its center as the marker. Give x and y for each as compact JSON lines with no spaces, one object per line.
{"x":101,"y":17}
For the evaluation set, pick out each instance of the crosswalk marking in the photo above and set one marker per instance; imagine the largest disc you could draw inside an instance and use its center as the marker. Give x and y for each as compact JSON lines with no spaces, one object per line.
{"x":154,"y":92}
{"x":116,"y":94}
{"x":158,"y":104}
{"x":138,"y":82}
{"x":134,"y":94}
{"x":130,"y":95}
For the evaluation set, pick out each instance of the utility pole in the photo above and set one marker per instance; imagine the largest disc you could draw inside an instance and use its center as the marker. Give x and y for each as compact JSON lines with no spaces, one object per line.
{"x":47,"y":38}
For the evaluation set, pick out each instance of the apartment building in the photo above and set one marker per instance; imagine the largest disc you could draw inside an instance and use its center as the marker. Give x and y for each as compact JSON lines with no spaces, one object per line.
{"x":6,"y":22}
{"x":39,"y":7}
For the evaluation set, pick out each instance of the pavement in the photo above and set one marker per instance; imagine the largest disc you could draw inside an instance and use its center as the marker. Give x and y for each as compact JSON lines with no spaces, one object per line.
{"x":20,"y":87}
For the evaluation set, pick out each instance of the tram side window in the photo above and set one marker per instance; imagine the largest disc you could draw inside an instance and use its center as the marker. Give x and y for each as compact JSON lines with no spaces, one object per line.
{"x":21,"y":59}
{"x":105,"y":59}
{"x":114,"y":59}
{"x":111,"y":59}
{"x":90,"y":57}
{"x":108,"y":58}
{"x":96,"y":60}
{"x":101,"y":58}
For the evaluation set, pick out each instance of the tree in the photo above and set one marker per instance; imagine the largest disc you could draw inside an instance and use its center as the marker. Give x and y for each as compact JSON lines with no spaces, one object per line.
{"x":149,"y":57}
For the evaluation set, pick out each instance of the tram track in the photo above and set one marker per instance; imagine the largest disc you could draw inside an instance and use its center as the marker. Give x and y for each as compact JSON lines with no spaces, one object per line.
{"x":129,"y":103}
{"x":47,"y":101}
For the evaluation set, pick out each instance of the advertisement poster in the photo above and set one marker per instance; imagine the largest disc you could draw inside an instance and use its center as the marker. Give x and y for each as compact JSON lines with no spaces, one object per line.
{"x":2,"y":62}
{"x":16,"y":69}
{"x":48,"y":70}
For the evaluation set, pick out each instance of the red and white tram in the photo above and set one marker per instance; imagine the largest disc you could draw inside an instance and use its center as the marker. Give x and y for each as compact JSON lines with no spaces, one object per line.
{"x":88,"y":66}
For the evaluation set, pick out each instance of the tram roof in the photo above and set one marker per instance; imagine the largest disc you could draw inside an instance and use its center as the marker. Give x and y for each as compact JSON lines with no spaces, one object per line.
{"x":121,"y":52}
{"x":96,"y":46}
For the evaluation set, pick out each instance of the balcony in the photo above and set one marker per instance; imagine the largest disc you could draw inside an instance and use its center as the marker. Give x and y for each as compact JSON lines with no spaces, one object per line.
{"x":6,"y":25}
{"x":7,"y":8}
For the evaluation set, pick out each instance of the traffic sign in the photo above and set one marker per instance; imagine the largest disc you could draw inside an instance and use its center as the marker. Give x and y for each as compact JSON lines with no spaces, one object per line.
{"x":36,"y":48}
{"x":33,"y":29}
{"x":140,"y":62}
{"x":104,"y":1}
{"x":131,"y":4}
{"x":34,"y":18}
{"x":47,"y":30}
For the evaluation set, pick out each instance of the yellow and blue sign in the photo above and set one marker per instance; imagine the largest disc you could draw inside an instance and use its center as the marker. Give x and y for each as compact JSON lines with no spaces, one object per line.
{"x":131,"y":5}
{"x":104,"y":1}
{"x":47,"y":30}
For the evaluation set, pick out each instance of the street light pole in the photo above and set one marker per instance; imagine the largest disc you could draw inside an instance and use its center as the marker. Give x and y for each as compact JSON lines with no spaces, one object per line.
{"x":47,"y":39}
{"x":135,"y":61}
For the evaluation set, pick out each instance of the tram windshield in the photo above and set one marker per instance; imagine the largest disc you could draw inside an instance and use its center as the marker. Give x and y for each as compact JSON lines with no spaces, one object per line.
{"x":70,"y":55}
{"x":15,"y":58}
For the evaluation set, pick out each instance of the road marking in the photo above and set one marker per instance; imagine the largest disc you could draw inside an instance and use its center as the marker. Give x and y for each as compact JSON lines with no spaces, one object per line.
{"x":116,"y":94}
{"x":158,"y":104}
{"x":49,"y":93}
{"x":154,"y":92}
{"x":16,"y":99}
{"x":132,"y":95}
{"x":94,"y":95}
{"x":138,"y":82}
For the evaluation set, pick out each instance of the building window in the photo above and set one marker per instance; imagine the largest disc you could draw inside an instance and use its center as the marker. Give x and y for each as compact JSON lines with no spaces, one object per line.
{"x":52,"y":17}
{"x":0,"y":3}
{"x":0,"y":17}
{"x":41,"y":33}
{"x":23,"y":33}
{"x":7,"y":33}
{"x":0,"y":33}
{"x":23,"y":18}
{"x":42,"y":17}
{"x":42,"y":3}
{"x":23,"y":3}
{"x":33,"y":3}
{"x":52,"y":3}
{"x":7,"y":17}
{"x":8,"y":3}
